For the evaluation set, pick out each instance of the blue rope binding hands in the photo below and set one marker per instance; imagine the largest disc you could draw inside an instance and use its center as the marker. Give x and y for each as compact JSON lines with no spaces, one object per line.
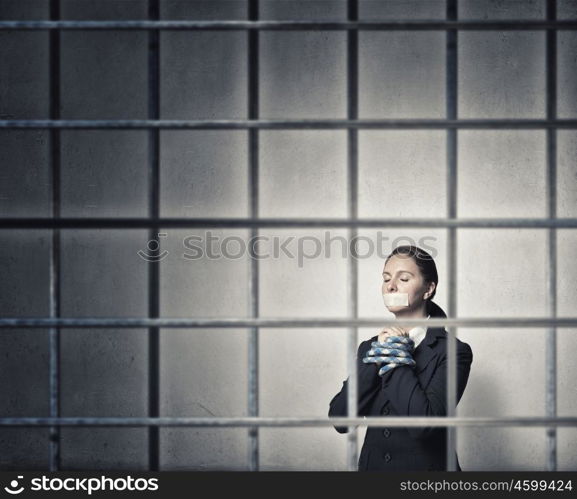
{"x":395,"y":351}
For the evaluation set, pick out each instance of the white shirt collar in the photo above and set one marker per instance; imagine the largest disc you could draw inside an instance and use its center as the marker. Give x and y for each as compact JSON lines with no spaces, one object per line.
{"x":417,"y":334}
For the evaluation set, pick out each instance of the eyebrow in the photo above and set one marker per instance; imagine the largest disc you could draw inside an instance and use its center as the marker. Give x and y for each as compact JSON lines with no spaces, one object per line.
{"x":400,"y":272}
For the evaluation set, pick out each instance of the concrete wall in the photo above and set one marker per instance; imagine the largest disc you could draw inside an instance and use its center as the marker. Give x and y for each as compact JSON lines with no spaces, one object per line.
{"x":302,"y":174}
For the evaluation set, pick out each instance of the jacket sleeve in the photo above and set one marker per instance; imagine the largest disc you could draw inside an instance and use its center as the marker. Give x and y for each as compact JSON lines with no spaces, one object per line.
{"x":368,"y":382}
{"x":408,"y":398}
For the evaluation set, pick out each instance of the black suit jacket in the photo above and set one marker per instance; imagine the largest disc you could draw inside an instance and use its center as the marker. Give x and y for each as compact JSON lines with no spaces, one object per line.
{"x":419,"y":390}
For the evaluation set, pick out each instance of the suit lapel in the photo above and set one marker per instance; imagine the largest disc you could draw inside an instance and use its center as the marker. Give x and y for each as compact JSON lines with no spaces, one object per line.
{"x":426,"y":350}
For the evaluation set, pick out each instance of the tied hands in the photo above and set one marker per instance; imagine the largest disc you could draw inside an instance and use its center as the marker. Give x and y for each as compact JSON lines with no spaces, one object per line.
{"x":392,"y":331}
{"x":393,"y":348}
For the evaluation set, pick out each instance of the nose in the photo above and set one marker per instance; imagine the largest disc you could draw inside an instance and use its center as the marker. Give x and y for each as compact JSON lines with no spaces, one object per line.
{"x":391,"y":286}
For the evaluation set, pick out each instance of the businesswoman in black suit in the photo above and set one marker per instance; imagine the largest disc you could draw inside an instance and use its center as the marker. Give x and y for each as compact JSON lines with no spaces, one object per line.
{"x":405,"y":373}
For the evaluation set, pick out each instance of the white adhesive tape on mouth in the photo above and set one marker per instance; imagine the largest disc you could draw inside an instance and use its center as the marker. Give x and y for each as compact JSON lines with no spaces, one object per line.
{"x":396,"y":299}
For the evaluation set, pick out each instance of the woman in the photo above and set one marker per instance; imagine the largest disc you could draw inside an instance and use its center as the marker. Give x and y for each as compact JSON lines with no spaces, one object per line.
{"x":405,"y":374}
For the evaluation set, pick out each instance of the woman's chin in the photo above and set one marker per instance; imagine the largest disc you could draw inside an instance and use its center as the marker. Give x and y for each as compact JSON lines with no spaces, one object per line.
{"x":396,"y":310}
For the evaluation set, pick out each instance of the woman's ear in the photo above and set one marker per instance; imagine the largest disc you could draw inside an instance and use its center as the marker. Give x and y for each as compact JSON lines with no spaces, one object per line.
{"x":430,"y":290}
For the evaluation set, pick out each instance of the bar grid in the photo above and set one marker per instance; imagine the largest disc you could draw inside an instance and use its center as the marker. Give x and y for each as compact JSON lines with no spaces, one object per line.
{"x":452,"y":172}
{"x":153,"y":235}
{"x":551,"y":337}
{"x":139,"y":223}
{"x":277,"y":422}
{"x":253,"y":124}
{"x":54,"y":332}
{"x":296,"y":322}
{"x":477,"y":25}
{"x":353,"y":270}
{"x":253,"y":160}
{"x":308,"y":124}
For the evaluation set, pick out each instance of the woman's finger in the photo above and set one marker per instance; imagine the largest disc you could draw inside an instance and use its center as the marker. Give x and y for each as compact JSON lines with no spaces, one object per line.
{"x":383,"y":335}
{"x":391,"y":331}
{"x":399,"y":331}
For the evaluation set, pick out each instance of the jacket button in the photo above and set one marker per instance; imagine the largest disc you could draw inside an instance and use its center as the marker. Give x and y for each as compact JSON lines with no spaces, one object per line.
{"x":386,"y":410}
{"x":387,"y":433}
{"x":387,"y":457}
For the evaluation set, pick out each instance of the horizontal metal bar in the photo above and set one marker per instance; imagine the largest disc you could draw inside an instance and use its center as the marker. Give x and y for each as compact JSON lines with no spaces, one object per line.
{"x":211,"y":322}
{"x":280,"y":223}
{"x":294,"y":422}
{"x":393,"y":25}
{"x":306,"y":124}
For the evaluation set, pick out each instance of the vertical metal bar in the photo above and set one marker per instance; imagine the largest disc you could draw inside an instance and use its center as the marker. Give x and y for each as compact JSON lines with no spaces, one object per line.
{"x":54,"y":333}
{"x":352,"y":167}
{"x":551,"y":347}
{"x":154,"y":209}
{"x":451,"y":102}
{"x":253,"y":178}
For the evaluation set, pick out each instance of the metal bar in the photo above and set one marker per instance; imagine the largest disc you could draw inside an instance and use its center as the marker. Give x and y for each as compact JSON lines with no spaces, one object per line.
{"x":253,"y":190}
{"x":153,"y":235}
{"x":54,"y":332}
{"x":551,"y":347}
{"x":412,"y":421}
{"x":352,"y":201}
{"x":304,"y":124}
{"x":390,"y":25}
{"x":451,"y":89}
{"x":140,"y":223}
{"x":285,"y":322}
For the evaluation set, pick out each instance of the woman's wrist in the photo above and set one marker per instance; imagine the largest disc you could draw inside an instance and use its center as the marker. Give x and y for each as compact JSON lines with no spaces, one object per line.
{"x":395,"y":351}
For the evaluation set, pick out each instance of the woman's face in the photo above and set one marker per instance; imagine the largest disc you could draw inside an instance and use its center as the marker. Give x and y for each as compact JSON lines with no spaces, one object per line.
{"x":402,"y":275}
